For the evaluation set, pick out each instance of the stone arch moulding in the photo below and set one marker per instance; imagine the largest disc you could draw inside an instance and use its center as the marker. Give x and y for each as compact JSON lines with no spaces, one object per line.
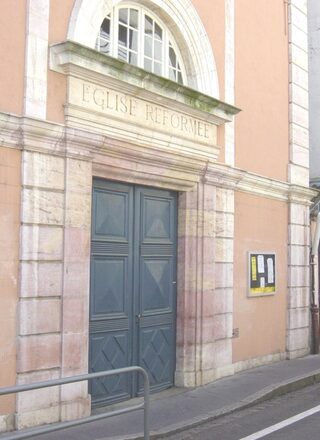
{"x":182,"y":20}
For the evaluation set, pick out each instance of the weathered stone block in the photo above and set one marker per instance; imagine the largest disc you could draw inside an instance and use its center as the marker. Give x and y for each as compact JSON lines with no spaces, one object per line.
{"x":299,"y":318}
{"x":299,"y":135}
{"x":42,"y":207}
{"x":223,"y":275}
{"x":299,"y":235}
{"x":78,"y":210}
{"x":224,"y":225}
{"x":79,"y":176}
{"x":74,"y":353}
{"x":224,"y":250}
{"x":299,"y":155}
{"x":41,"y":243}
{"x":223,"y":301}
{"x":41,"y":279}
{"x":222,"y":353}
{"x":38,"y":352}
{"x":299,"y":214}
{"x":43,"y":171}
{"x":224,"y":200}
{"x":299,"y":297}
{"x":297,"y":339}
{"x":40,"y":316}
{"x":298,"y":37}
{"x":298,"y":255}
{"x":299,"y":276}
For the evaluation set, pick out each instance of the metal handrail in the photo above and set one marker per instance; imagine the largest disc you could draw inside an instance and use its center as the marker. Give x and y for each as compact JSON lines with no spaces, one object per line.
{"x":72,"y":379}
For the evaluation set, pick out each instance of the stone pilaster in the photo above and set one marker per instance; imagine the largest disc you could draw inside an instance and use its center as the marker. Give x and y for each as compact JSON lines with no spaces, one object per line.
{"x":205,"y":280}
{"x":54,"y":293}
{"x":35,"y":96}
{"x":75,"y":302}
{"x":298,"y":93}
{"x":298,"y":174}
{"x":223,"y":295}
{"x":39,"y":337}
{"x":298,"y":321}
{"x":229,"y":79}
{"x":195,"y":285}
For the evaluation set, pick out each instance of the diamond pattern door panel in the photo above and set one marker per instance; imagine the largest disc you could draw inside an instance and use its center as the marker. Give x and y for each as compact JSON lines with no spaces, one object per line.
{"x":109,"y":351}
{"x":110,"y":214}
{"x":155,"y":355}
{"x":157,"y":288}
{"x":132,"y":294}
{"x":156,"y":284}
{"x":157,"y":221}
{"x":108,"y":286}
{"x":111,"y":293}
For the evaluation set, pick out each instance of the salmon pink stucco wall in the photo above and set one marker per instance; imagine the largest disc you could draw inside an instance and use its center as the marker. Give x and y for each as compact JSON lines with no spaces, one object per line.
{"x":9,"y":258}
{"x":212,"y":15}
{"x":12,"y":55}
{"x":260,"y":225}
{"x":261,"y":51}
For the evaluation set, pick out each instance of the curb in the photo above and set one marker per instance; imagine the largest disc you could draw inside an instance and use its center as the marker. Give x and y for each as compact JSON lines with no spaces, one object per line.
{"x":266,"y":393}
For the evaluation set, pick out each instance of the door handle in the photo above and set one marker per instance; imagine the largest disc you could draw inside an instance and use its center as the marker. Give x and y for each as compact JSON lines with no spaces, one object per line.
{"x":139,"y":316}
{"x":174,"y":282}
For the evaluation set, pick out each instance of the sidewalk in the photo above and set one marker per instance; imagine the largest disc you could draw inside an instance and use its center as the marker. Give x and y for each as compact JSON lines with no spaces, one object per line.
{"x":174,"y":409}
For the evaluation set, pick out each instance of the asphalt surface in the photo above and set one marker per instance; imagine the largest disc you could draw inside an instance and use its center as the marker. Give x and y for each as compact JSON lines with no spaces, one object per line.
{"x":259,"y":417}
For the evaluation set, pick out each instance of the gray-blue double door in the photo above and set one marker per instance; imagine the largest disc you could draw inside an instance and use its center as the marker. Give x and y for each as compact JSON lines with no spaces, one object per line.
{"x":133,"y":288}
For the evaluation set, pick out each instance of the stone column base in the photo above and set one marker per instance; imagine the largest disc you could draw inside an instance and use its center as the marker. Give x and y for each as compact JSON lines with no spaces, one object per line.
{"x":65,"y":411}
{"x":6,"y":422}
{"x":190,"y":379}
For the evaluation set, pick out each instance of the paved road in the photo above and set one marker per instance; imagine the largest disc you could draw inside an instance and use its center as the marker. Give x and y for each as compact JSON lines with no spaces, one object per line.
{"x":244,"y":424}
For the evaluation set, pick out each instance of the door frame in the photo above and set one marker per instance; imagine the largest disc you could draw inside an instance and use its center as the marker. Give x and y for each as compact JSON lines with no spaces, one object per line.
{"x":136,"y":195}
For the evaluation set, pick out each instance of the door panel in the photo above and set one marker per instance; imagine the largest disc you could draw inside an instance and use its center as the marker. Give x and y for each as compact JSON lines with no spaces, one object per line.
{"x":156,"y":355}
{"x":109,"y":350}
{"x":156,"y":284}
{"x":133,"y":295}
{"x":111,"y":290}
{"x":157,"y":289}
{"x":108,"y":286}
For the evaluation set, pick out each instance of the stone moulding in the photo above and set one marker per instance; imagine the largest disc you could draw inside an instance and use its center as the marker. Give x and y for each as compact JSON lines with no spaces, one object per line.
{"x":73,"y":58}
{"x":56,"y":139}
{"x":225,"y":176}
{"x":124,"y":102}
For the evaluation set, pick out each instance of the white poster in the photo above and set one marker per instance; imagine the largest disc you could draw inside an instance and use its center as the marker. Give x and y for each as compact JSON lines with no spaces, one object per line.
{"x":260,"y":263}
{"x":270,"y":271}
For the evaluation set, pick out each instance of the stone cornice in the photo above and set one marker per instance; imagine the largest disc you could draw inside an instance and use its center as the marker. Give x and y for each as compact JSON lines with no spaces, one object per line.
{"x":239,"y":180}
{"x":122,"y":158}
{"x":81,"y":61}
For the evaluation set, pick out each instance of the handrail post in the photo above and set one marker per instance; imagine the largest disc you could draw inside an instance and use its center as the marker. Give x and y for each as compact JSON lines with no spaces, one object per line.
{"x":146,"y":406}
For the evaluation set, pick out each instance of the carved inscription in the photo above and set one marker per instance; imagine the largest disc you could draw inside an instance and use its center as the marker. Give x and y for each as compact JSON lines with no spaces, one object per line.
{"x":115,"y":103}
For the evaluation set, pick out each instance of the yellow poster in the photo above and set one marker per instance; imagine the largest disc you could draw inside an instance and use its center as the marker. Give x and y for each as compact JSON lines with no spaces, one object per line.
{"x":253,"y":269}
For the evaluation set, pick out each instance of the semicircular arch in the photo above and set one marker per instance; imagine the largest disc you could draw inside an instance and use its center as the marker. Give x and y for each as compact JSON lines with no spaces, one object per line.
{"x":183,"y":22}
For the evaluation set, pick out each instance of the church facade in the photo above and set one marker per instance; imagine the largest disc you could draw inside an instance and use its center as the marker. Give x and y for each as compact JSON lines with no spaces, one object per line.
{"x":154,"y":195}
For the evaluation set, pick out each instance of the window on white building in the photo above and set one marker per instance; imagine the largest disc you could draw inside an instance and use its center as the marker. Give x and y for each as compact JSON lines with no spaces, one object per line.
{"x":133,"y":34}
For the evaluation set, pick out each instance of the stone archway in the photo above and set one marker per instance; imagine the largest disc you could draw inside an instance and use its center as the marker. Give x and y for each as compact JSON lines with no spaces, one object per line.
{"x":183,"y":22}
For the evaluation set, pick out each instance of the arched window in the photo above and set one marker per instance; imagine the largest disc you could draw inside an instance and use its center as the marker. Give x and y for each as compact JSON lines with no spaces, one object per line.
{"x":133,"y":34}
